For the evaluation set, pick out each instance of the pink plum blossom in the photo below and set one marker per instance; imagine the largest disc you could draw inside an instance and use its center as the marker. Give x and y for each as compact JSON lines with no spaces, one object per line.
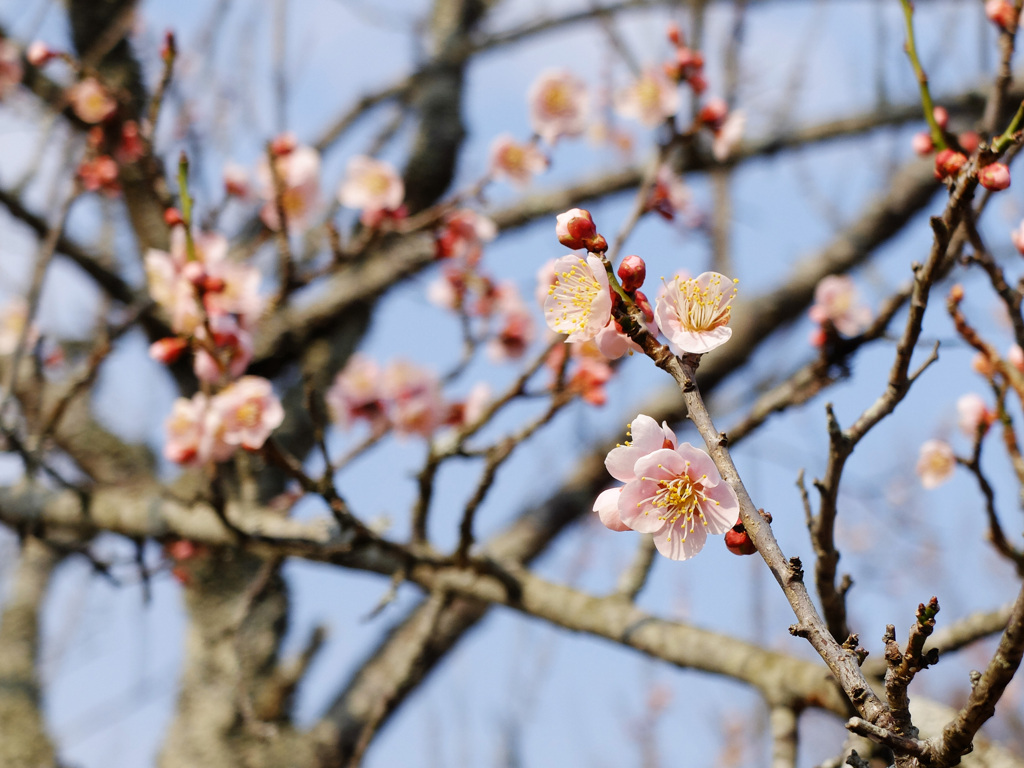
{"x":463,"y":236}
{"x":973,"y":414}
{"x":356,"y":393}
{"x":412,"y":398}
{"x":515,"y":161}
{"x":669,"y":196}
{"x":694,"y":314}
{"x":233,"y":347}
{"x":558,"y":105}
{"x":613,"y":343}
{"x":248,"y":411}
{"x":589,"y":378}
{"x":299,"y":171}
{"x":650,"y":99}
{"x":517,"y":329}
{"x":91,"y":101}
{"x":371,"y":186}
{"x":679,"y":496}
{"x":578,"y":302}
{"x":644,"y":436}
{"x":194,"y":432}
{"x":38,"y":53}
{"x":935,"y":463}
{"x":836,"y":300}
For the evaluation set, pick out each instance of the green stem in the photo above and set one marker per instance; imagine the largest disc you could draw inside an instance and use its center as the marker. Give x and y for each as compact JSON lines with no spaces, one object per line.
{"x":1007,"y":138}
{"x":922,"y":79}
{"x":186,"y":207}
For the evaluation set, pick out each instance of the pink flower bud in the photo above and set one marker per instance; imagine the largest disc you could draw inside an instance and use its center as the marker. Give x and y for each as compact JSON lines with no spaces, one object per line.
{"x":969,"y":141}
{"x":575,"y":228}
{"x":941,"y":116}
{"x":738,"y":541}
{"x":645,"y":306}
{"x":632,"y":272}
{"x":698,"y":83}
{"x":284,"y":144}
{"x":981,"y":364}
{"x":995,"y":176}
{"x":38,"y":53}
{"x":922,"y":143}
{"x":948,"y":163}
{"x":167,"y":350}
{"x":675,"y":35}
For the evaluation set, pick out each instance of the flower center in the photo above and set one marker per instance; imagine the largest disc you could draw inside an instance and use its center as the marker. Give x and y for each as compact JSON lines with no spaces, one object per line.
{"x":248,"y":414}
{"x":575,"y":291}
{"x":557,"y":100}
{"x":648,"y":94}
{"x":706,"y":307}
{"x":681,"y":498}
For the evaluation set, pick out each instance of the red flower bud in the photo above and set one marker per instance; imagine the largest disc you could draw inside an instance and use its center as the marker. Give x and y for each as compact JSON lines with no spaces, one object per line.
{"x":1000,"y":12}
{"x":969,"y":141}
{"x":172,"y":217}
{"x":941,"y":116}
{"x":948,"y":163}
{"x":713,"y":114}
{"x":575,"y":228}
{"x":995,"y":176}
{"x":738,"y":541}
{"x":632,"y":272}
{"x":167,"y":350}
{"x":922,"y":144}
{"x":645,"y":306}
{"x":284,"y":144}
{"x":675,"y":35}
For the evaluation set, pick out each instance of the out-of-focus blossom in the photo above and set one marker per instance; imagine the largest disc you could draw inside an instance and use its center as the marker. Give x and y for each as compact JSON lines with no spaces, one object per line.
{"x":994,"y":176}
{"x":10,"y":67}
{"x":1015,"y":356}
{"x":99,"y":174}
{"x":517,"y":329}
{"x":412,"y":398}
{"x":371,"y":186}
{"x":969,"y":141}
{"x":1000,"y":13}
{"x":515,"y":161}
{"x":589,"y":380}
{"x":973,"y":415}
{"x":130,"y":147}
{"x":236,"y":180}
{"x":248,"y":412}
{"x":941,"y":115}
{"x":679,"y":496}
{"x":194,"y":432}
{"x":356,"y":393}
{"x":463,"y":235}
{"x":578,"y":303}
{"x":694,"y":314}
{"x":168,"y":350}
{"x":299,"y":171}
{"x":713,"y":113}
{"x":232,"y":349}
{"x":836,"y":300}
{"x":472,"y":408}
{"x":558,"y":105}
{"x":669,"y":196}
{"x":91,"y":101}
{"x":935,"y":463}
{"x":649,"y":100}
{"x":728,"y":137}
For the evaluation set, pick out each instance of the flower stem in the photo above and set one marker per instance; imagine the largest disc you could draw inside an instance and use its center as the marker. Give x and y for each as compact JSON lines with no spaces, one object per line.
{"x":922,"y":79}
{"x":186,"y":207}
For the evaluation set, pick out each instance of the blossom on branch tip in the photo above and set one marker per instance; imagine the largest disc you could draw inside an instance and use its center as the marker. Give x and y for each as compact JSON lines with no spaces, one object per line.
{"x":935,"y":463}
{"x":91,"y":101}
{"x":578,"y":302}
{"x":693,"y":314}
{"x":558,"y":105}
{"x":679,"y":496}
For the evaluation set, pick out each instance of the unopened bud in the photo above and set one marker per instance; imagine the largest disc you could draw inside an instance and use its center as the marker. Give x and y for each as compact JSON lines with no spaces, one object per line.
{"x":632,"y":272}
{"x":645,"y":306}
{"x":1000,"y":13}
{"x":575,"y":228}
{"x":948,"y":163}
{"x":994,"y":176}
{"x":956,"y":293}
{"x":39,"y":53}
{"x":922,"y":143}
{"x":737,"y":541}
{"x":167,"y":350}
{"x":713,"y":114}
{"x":941,"y":117}
{"x":284,"y":144}
{"x":172,"y":217}
{"x":597,"y":244}
{"x":969,"y":141}
{"x":675,"y":35}
{"x":698,"y":83}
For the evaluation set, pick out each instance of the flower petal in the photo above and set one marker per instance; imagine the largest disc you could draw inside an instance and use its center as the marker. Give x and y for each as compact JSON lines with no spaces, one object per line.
{"x":607,"y":508}
{"x":671,"y":544}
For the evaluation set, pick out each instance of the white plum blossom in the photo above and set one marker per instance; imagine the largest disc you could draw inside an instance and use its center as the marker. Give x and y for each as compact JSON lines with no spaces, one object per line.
{"x":371,"y":185}
{"x":248,"y":412}
{"x":578,"y":302}
{"x":299,"y":172}
{"x":515,"y":161}
{"x":973,"y":414}
{"x":650,"y":99}
{"x":836,"y":300}
{"x":558,"y":105}
{"x":935,"y":463}
{"x":694,"y":313}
